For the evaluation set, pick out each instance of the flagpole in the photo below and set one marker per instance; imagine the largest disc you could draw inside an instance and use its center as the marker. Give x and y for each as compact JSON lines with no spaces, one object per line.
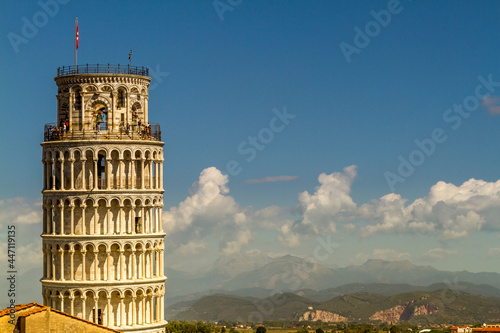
{"x":76,"y":38}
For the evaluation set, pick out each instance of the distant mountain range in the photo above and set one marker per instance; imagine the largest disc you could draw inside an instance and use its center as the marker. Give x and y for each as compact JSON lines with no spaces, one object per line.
{"x":441,"y":306}
{"x":289,"y":273}
{"x":258,"y":277}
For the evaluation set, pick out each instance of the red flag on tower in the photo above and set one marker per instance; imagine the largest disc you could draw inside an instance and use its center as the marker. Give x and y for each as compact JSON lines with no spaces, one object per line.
{"x":77,"y":35}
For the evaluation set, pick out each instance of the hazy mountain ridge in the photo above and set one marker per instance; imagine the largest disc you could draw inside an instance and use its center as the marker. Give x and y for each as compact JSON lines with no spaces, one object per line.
{"x":318,"y":282}
{"x":289,"y":273}
{"x":417,"y":306}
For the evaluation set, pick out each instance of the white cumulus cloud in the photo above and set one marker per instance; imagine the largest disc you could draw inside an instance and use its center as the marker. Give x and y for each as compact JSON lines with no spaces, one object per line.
{"x":330,"y":200}
{"x":450,"y":211}
{"x":20,"y":211}
{"x":382,"y":254}
{"x":209,"y":211}
{"x":438,"y":254}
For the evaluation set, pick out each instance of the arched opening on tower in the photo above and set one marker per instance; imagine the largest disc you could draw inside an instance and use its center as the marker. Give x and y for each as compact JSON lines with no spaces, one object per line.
{"x":120,"y":98}
{"x":99,"y":116}
{"x":101,"y":170}
{"x":77,"y":108}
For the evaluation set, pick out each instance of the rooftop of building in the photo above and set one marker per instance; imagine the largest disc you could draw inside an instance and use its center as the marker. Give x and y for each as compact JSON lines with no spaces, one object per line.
{"x":25,"y":310}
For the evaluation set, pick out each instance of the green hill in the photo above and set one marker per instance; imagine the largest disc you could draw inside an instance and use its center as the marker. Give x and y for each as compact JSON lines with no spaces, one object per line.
{"x":443,"y":306}
{"x":218,"y":307}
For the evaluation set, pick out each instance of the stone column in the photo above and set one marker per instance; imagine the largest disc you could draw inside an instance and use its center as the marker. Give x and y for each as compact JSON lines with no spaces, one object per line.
{"x":134,"y":266}
{"x":61,"y":162}
{"x":72,"y":178}
{"x":108,"y":173}
{"x":120,"y":171}
{"x":61,"y":256}
{"x":84,"y":259}
{"x":143,"y":224}
{"x":142,"y":257}
{"x":156,"y":308}
{"x":84,"y":231}
{"x":161,"y":306}
{"x":53,"y":259}
{"x":157,"y":219}
{"x":143,"y":301}
{"x":96,"y":177}
{"x":120,"y":221}
{"x":72,"y":265}
{"x":72,"y":221}
{"x":161,"y":176}
{"x":122,"y":312}
{"x":132,"y":219}
{"x":134,"y":310}
{"x":122,"y":266}
{"x":44,"y":219}
{"x":127,"y":110}
{"x":84,"y":183}
{"x":108,"y":310}
{"x":44,"y":255}
{"x":107,"y":226}
{"x":84,"y":305}
{"x":96,"y":255}
{"x":49,"y":264}
{"x":113,"y":106}
{"x":156,"y":175}
{"x":52,"y":301}
{"x":96,"y":307}
{"x":61,"y":208}
{"x":142,"y":173}
{"x":44,"y":174}
{"x":62,"y":302}
{"x":70,"y":111}
{"x":52,"y":219}
{"x":72,"y":305}
{"x":161,"y":218}
{"x":148,"y":228}
{"x":132,"y":172}
{"x":161,"y":262}
{"x":107,"y":272}
{"x":150,"y":167}
{"x":46,"y":263}
{"x":48,"y":174}
{"x":157,"y":262}
{"x":96,"y":206}
{"x":150,"y":263}
{"x":82,"y":117}
{"x":151,"y":311}
{"x":53,"y":174}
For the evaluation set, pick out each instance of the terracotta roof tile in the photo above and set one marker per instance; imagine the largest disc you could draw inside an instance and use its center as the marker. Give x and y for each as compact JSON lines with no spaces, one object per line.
{"x":39,"y":308}
{"x":19,"y":307}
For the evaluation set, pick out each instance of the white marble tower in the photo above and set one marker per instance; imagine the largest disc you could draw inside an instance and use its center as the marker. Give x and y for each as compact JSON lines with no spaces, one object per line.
{"x":103,"y":240}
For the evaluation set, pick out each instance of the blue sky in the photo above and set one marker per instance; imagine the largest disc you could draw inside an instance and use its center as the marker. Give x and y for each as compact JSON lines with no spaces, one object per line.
{"x":217,"y":82}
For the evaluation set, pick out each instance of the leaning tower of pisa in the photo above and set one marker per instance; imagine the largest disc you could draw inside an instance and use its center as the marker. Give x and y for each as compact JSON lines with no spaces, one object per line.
{"x":102,"y":234}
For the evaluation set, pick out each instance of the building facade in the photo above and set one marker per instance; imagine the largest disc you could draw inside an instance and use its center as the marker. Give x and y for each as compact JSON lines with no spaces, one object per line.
{"x":103,"y":240}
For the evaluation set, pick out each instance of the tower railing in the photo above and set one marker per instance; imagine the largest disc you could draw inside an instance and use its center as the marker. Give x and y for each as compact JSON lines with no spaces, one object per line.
{"x":149,"y":132}
{"x":102,"y":69}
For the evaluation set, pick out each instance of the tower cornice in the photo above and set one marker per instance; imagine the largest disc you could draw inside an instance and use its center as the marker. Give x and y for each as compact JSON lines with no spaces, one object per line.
{"x":102,"y":78}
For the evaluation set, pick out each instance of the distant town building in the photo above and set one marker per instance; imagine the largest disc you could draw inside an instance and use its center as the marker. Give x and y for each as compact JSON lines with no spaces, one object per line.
{"x":494,"y":329}
{"x":461,"y":329}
